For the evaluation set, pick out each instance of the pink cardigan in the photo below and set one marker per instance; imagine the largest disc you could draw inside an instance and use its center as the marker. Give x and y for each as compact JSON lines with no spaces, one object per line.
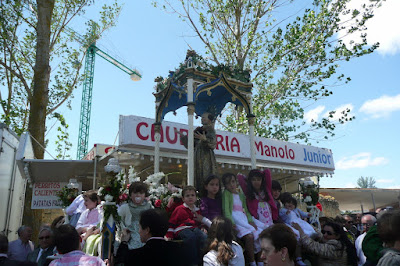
{"x":252,"y":205}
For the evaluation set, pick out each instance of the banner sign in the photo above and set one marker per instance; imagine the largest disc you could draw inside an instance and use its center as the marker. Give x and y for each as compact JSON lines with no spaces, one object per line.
{"x":44,"y":195}
{"x":139,"y":131}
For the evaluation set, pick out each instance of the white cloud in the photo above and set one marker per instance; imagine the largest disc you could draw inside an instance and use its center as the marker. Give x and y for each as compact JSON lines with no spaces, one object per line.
{"x":313,"y":114}
{"x":394,"y":187}
{"x":338,"y":111}
{"x":382,"y":27}
{"x":386,"y":181}
{"x":361,"y":160}
{"x":350,"y":185}
{"x":381,"y":107}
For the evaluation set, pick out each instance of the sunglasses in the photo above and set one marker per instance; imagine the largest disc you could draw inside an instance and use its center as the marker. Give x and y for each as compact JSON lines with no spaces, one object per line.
{"x":44,"y":237}
{"x":326,"y":232}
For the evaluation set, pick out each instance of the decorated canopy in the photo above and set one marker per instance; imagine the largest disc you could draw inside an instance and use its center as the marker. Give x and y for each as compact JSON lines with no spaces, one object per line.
{"x":214,"y":87}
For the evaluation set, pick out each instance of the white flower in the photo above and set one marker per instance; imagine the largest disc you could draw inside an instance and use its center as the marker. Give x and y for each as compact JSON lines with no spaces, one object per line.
{"x":100,"y":192}
{"x":308,"y":199}
{"x":108,"y":198}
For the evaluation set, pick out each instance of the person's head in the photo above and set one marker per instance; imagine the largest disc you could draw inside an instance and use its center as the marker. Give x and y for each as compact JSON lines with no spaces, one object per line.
{"x":290,"y":203}
{"x":256,"y":184}
{"x":388,"y":227}
{"x":358,"y":218}
{"x":25,"y":233}
{"x":57,"y":222}
{"x":332,"y":230}
{"x":220,"y":236}
{"x":230,"y":182}
{"x":285,"y":197}
{"x":276,"y":189}
{"x":207,"y":118}
{"x":138,"y":191}
{"x":367,"y":221}
{"x":3,"y":244}
{"x":349,"y":221}
{"x":91,"y":199}
{"x":189,"y":195}
{"x":152,"y":223}
{"x":66,"y":239}
{"x":212,"y":187}
{"x":278,"y":245}
{"x":45,"y":237}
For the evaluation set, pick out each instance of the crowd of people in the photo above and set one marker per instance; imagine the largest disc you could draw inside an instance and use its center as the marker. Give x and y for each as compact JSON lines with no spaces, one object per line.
{"x":238,"y":220}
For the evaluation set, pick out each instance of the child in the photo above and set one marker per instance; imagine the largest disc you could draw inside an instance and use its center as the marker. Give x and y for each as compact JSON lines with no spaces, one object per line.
{"x":211,"y":203}
{"x":91,"y":217}
{"x":234,"y":208}
{"x":289,"y":215}
{"x":130,"y":212}
{"x":261,"y":205}
{"x":185,"y":222}
{"x":221,"y":249}
{"x":88,"y":223}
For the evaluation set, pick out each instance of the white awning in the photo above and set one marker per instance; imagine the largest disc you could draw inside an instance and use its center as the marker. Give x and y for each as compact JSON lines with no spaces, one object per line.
{"x":351,"y":199}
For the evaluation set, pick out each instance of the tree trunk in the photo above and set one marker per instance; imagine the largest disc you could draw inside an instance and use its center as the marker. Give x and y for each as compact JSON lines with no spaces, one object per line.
{"x":39,"y":102}
{"x":41,"y":77}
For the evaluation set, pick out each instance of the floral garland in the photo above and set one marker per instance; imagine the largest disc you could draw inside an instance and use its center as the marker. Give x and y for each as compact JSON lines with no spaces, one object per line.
{"x":309,"y":191}
{"x":162,"y":195}
{"x":67,"y":195}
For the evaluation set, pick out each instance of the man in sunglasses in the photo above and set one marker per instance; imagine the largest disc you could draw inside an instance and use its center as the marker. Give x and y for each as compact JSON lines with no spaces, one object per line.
{"x":45,"y":249}
{"x":366,"y":221}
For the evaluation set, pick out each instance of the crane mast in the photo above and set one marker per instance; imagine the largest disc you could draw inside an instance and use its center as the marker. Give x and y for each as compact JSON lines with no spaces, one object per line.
{"x":86,"y":104}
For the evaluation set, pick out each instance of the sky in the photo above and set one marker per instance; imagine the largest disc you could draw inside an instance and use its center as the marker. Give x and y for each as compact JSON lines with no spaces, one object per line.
{"x":155,"y":42}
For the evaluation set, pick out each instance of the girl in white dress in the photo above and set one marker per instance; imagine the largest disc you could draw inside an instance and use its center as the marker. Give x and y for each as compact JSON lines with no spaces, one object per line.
{"x":234,"y":208}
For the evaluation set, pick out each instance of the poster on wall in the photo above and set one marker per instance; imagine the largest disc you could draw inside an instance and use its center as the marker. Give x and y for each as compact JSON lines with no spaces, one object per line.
{"x":44,"y":195}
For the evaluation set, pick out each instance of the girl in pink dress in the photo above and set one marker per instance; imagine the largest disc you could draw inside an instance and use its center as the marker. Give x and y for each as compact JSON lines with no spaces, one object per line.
{"x":91,"y":217}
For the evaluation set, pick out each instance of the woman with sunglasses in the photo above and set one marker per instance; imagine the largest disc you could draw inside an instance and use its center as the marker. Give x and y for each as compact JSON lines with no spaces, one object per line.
{"x":334,"y":248}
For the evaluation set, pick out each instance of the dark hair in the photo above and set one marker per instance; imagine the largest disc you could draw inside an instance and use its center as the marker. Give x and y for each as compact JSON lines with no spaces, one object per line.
{"x":66,"y":238}
{"x":285,"y":197}
{"x":188,"y":188}
{"x":208,"y":180}
{"x":156,"y":220}
{"x":276,"y":185}
{"x":388,"y":227}
{"x":293,"y":201}
{"x":140,"y":187}
{"x":281,"y":236}
{"x":220,"y":237}
{"x":92,"y":195}
{"x":226,"y":176}
{"x":251,"y":193}
{"x":3,"y":243}
{"x":55,"y":221}
{"x":346,"y":243}
{"x":21,"y":229}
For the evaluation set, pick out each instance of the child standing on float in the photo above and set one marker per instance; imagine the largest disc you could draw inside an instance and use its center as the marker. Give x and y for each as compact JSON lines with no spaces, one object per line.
{"x":234,"y":208}
{"x":211,"y":202}
{"x":130,"y":212}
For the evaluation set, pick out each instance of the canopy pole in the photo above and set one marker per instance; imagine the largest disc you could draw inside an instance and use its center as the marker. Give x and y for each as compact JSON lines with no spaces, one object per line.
{"x":373,"y":200}
{"x":251,"y":120}
{"x":157,"y":136}
{"x":190,"y":110}
{"x":95,"y":172}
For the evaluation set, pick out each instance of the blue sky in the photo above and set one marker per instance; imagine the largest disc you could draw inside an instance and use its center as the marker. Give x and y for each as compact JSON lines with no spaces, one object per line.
{"x":156,"y":42}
